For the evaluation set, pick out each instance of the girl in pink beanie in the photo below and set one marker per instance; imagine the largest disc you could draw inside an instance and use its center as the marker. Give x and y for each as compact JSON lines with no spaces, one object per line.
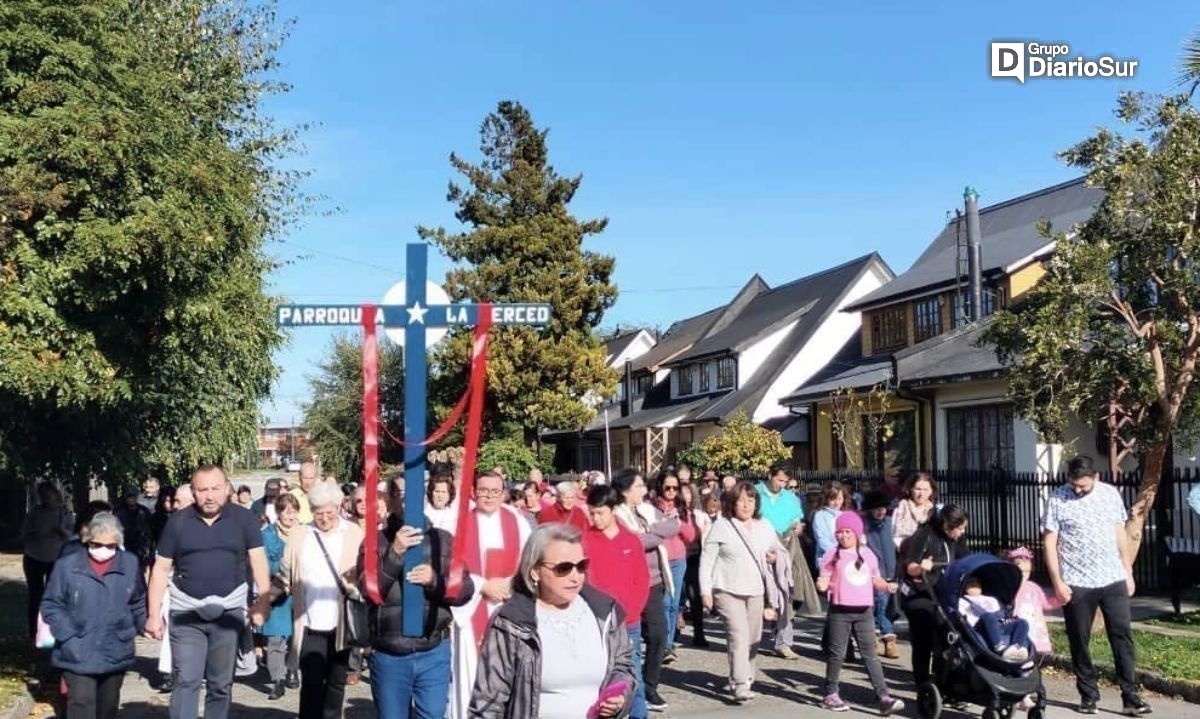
{"x":1031,"y":604}
{"x":850,"y":574}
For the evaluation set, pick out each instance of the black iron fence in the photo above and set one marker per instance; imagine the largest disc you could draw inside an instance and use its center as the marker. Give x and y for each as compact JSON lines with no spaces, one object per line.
{"x":1006,"y":510}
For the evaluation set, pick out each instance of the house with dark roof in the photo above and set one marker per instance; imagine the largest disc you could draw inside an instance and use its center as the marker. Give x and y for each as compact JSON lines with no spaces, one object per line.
{"x":938,"y":399}
{"x":627,"y":345}
{"x":743,"y":356}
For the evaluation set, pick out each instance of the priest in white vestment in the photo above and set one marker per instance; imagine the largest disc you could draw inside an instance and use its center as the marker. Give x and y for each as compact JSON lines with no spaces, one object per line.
{"x":493,"y":536}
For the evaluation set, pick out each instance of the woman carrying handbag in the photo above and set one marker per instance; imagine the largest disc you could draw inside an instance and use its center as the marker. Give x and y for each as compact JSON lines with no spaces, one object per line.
{"x":734,"y":577}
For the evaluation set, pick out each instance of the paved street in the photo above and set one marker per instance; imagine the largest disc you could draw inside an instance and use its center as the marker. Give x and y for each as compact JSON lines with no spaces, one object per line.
{"x":692,"y":687}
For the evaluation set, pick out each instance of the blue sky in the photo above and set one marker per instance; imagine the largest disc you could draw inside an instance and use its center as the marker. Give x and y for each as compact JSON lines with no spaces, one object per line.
{"x":719,"y":138}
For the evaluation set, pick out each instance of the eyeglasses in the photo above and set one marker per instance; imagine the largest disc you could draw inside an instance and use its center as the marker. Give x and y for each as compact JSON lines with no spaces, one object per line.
{"x":562,"y":569}
{"x":489,"y":492}
{"x":670,"y":487}
{"x":111,"y":545}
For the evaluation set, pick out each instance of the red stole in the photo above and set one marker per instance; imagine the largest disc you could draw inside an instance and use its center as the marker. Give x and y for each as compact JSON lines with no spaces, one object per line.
{"x":497,"y":564}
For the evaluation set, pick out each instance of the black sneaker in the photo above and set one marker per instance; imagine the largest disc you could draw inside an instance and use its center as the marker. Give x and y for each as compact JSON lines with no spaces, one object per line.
{"x":1087,"y":706}
{"x":277,"y":691}
{"x":167,"y":685}
{"x":669,"y":658}
{"x":654,"y":702}
{"x":1135,"y":706}
{"x":293,"y":680}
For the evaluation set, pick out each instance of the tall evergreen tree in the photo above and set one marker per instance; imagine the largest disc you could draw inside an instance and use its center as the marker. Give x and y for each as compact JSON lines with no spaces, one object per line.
{"x":138,"y":185}
{"x":521,"y":244}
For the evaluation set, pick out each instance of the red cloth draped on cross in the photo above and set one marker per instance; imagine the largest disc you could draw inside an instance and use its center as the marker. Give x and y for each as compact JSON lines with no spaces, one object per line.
{"x":471,"y":402}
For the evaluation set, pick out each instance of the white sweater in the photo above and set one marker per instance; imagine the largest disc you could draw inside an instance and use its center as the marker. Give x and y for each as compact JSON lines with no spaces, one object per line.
{"x":725,"y":563}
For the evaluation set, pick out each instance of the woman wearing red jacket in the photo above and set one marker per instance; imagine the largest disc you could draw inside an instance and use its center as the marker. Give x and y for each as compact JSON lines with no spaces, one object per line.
{"x":618,"y":568}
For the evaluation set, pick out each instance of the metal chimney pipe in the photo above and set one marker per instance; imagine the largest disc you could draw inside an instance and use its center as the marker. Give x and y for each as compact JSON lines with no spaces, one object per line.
{"x":974,"y":254}
{"x":627,"y":405}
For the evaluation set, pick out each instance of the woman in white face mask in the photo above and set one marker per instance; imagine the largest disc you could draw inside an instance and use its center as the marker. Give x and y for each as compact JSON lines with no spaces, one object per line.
{"x":95,"y":605}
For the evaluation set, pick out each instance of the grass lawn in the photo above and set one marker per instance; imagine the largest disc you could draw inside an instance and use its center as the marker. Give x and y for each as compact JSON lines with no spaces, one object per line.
{"x":1172,"y":657}
{"x":14,"y":646}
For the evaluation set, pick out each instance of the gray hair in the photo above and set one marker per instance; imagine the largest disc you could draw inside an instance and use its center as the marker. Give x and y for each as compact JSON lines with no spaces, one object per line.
{"x":106,"y":523}
{"x":535,"y":552}
{"x":325,"y":494}
{"x":566,"y":486}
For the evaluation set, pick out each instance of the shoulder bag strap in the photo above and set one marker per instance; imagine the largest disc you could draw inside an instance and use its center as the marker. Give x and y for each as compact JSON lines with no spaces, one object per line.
{"x":762,"y":575}
{"x":332,"y":568}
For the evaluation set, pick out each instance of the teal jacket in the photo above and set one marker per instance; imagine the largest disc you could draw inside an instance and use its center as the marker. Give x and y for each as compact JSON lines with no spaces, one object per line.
{"x":279,"y":622}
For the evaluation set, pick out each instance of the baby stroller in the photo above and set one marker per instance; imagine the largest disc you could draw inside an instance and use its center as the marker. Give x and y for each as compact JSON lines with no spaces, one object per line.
{"x":970,"y":670}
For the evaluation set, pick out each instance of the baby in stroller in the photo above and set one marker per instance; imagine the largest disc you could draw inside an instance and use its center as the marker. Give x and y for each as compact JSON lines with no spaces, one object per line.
{"x":1007,"y":636}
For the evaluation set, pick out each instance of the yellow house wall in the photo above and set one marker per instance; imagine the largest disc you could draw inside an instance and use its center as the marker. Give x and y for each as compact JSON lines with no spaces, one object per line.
{"x":825,"y":440}
{"x":866,"y":333}
{"x":1020,"y":282}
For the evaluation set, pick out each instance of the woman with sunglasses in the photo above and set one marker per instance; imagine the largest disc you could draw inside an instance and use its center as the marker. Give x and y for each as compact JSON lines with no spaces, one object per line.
{"x":557,"y":646}
{"x":95,"y":606}
{"x":670,"y":502}
{"x":653,"y":528}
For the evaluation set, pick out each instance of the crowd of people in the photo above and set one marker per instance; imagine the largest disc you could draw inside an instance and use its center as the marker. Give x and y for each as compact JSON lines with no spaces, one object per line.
{"x":563,"y":600}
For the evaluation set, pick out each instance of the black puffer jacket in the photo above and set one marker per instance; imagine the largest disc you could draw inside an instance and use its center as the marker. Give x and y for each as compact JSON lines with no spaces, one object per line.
{"x":926,"y":542}
{"x":387,"y":620}
{"x":509,"y":679}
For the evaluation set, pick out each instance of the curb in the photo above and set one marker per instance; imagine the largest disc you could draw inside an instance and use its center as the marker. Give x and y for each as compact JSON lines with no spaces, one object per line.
{"x":1187,"y":690}
{"x":18,"y":708}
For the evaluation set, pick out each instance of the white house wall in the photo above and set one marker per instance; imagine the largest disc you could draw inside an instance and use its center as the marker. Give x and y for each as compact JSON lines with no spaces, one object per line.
{"x":1026,"y":448}
{"x":829,"y":338}
{"x":1030,"y":453}
{"x":750,"y":361}
{"x":642,"y":344}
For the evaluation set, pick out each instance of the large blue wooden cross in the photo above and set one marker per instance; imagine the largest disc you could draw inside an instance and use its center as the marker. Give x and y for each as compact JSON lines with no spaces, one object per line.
{"x":407,"y":324}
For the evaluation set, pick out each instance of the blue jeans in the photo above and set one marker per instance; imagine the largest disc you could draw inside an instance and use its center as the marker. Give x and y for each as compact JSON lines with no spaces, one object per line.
{"x":1001,"y":632}
{"x":411,"y":685}
{"x":884,"y":624}
{"x":678,"y":566}
{"x":639,"y":710}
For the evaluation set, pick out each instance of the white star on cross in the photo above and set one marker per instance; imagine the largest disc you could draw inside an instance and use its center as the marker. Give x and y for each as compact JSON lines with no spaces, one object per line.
{"x":416,"y":313}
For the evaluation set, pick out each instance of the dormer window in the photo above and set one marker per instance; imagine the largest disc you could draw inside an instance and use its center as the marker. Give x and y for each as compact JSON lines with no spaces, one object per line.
{"x":687,"y":384}
{"x":726,"y":373}
{"x":928,"y":315}
{"x":993,"y":299}
{"x":887,"y":329}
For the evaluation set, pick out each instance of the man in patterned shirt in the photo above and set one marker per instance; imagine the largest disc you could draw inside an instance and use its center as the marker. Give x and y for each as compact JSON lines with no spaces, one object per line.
{"x":1090,"y":562}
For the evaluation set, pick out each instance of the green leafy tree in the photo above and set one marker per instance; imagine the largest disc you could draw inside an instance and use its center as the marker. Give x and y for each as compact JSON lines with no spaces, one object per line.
{"x":521,"y":244}
{"x":1112,"y":332}
{"x":510,"y":453}
{"x":693,"y":456}
{"x":333,"y":417}
{"x":139,"y":181}
{"x":743,"y":446}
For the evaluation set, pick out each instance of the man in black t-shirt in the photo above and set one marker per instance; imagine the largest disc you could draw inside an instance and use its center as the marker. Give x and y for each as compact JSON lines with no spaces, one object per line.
{"x":204,"y":557}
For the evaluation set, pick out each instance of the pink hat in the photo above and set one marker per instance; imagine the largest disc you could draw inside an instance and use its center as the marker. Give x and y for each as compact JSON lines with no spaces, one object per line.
{"x":851,"y":521}
{"x":1019,"y":553}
